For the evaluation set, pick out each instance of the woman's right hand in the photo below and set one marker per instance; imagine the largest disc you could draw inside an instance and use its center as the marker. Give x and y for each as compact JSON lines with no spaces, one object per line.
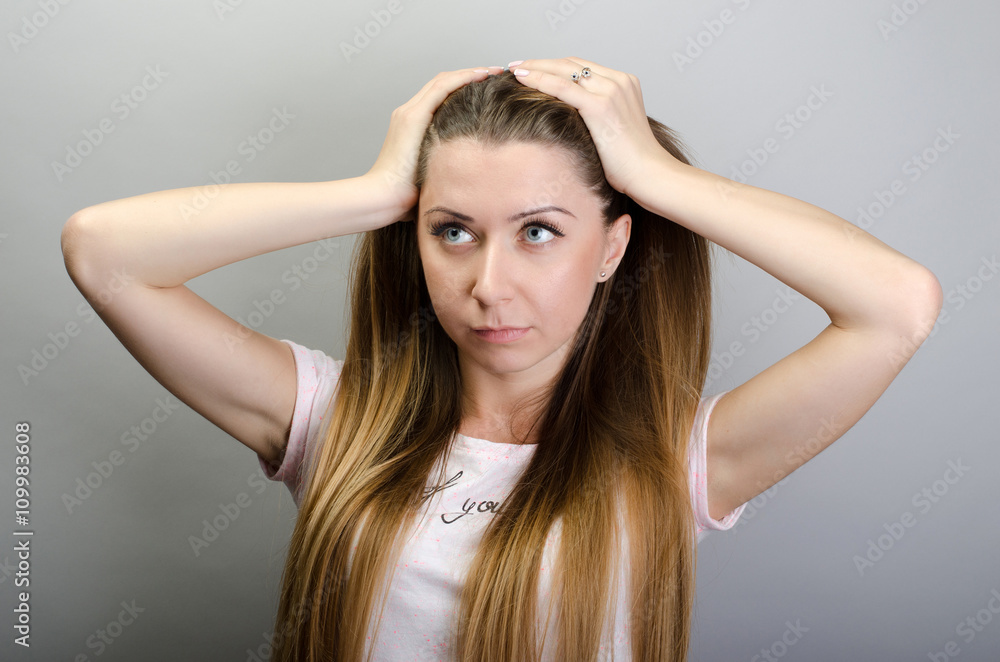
{"x":396,"y":165}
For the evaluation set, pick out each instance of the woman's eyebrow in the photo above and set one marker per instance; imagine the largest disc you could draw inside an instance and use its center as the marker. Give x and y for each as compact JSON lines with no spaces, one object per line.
{"x":511,"y":219}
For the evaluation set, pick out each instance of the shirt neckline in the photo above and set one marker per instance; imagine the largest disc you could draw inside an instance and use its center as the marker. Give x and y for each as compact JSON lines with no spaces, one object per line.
{"x":486,"y":443}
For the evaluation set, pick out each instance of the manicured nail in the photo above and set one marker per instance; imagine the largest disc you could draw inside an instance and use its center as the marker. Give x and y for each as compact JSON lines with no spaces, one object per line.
{"x":514,"y":63}
{"x":520,"y":72}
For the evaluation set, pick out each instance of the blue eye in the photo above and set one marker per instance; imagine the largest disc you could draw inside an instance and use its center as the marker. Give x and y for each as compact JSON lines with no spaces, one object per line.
{"x":450,"y":229}
{"x":446,"y":228}
{"x":541,"y":228}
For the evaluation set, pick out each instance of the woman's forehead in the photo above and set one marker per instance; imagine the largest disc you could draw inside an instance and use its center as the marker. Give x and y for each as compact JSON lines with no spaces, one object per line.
{"x":521,"y":175}
{"x":457,"y":156}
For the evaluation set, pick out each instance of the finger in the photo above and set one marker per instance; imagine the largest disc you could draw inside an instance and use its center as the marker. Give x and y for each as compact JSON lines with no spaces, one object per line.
{"x":600,"y":81}
{"x":580,"y":63}
{"x":446,"y":82}
{"x":596,"y":69}
{"x":554,"y":81}
{"x":566,"y":66}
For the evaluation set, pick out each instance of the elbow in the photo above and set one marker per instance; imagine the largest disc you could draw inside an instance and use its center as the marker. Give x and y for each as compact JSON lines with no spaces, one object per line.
{"x":920,"y":305}
{"x":916,"y":311}
{"x":75,"y":240}
{"x":929,"y":298}
{"x":69,"y":238}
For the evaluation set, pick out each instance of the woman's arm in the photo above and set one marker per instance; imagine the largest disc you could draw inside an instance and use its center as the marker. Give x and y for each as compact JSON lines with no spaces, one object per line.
{"x":859,"y":281}
{"x":881,"y":305}
{"x":157,"y":241}
{"x":130,"y":258}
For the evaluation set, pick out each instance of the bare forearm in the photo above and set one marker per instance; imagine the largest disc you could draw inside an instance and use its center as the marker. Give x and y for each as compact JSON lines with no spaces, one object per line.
{"x":166,"y":238}
{"x":857,"y":279}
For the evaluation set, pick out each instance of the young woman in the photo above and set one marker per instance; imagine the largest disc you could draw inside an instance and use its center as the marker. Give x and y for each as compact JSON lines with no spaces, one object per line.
{"x":514,"y":459}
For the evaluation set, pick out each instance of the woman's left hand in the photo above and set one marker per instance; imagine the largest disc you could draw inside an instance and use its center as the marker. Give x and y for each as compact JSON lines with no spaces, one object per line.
{"x":610,"y":102}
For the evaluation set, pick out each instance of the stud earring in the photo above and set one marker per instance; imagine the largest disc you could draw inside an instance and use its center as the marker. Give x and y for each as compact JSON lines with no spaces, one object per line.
{"x":603,"y":274}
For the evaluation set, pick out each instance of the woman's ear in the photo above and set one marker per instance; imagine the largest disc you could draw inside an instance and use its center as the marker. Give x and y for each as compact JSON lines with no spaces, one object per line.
{"x":616,"y":242}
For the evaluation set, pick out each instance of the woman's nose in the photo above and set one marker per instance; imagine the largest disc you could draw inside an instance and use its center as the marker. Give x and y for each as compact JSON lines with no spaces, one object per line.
{"x":493,"y":274}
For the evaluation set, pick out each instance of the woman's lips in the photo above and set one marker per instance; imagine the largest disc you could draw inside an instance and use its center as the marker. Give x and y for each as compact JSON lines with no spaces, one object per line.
{"x":501,"y":335}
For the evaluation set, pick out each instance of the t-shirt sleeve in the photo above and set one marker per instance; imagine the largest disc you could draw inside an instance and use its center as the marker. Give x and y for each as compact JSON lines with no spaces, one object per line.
{"x":697,"y":458}
{"x":317,"y":376}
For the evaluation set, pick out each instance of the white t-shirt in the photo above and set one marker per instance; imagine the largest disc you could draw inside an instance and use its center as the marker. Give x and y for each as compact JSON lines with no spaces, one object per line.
{"x":422,"y":604}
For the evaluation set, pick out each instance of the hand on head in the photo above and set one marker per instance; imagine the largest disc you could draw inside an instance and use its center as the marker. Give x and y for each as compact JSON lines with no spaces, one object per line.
{"x":610,"y":102}
{"x":395,"y":166}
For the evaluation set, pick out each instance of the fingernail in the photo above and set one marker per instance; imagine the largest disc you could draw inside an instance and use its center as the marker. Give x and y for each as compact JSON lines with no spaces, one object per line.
{"x":520,"y":72}
{"x":481,"y":71}
{"x":514,"y":63}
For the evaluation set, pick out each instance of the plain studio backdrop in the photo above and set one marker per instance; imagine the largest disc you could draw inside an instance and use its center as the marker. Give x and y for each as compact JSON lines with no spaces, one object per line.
{"x":155,"y":535}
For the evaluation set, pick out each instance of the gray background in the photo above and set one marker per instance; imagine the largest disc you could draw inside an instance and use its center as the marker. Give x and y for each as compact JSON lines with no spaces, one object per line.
{"x":792,"y":561}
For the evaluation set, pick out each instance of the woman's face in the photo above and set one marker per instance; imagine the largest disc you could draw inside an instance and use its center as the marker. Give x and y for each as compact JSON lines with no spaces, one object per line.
{"x":509,"y":239}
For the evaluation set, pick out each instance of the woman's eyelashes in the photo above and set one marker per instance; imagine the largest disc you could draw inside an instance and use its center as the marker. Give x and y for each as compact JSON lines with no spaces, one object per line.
{"x":444,"y":228}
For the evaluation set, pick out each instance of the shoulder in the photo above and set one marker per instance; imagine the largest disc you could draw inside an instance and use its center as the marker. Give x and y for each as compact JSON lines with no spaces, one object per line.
{"x":699,"y":475}
{"x":317,"y":379}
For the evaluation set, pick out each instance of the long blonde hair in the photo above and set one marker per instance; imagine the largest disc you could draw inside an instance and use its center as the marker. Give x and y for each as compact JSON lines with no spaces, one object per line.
{"x":613,"y":431}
